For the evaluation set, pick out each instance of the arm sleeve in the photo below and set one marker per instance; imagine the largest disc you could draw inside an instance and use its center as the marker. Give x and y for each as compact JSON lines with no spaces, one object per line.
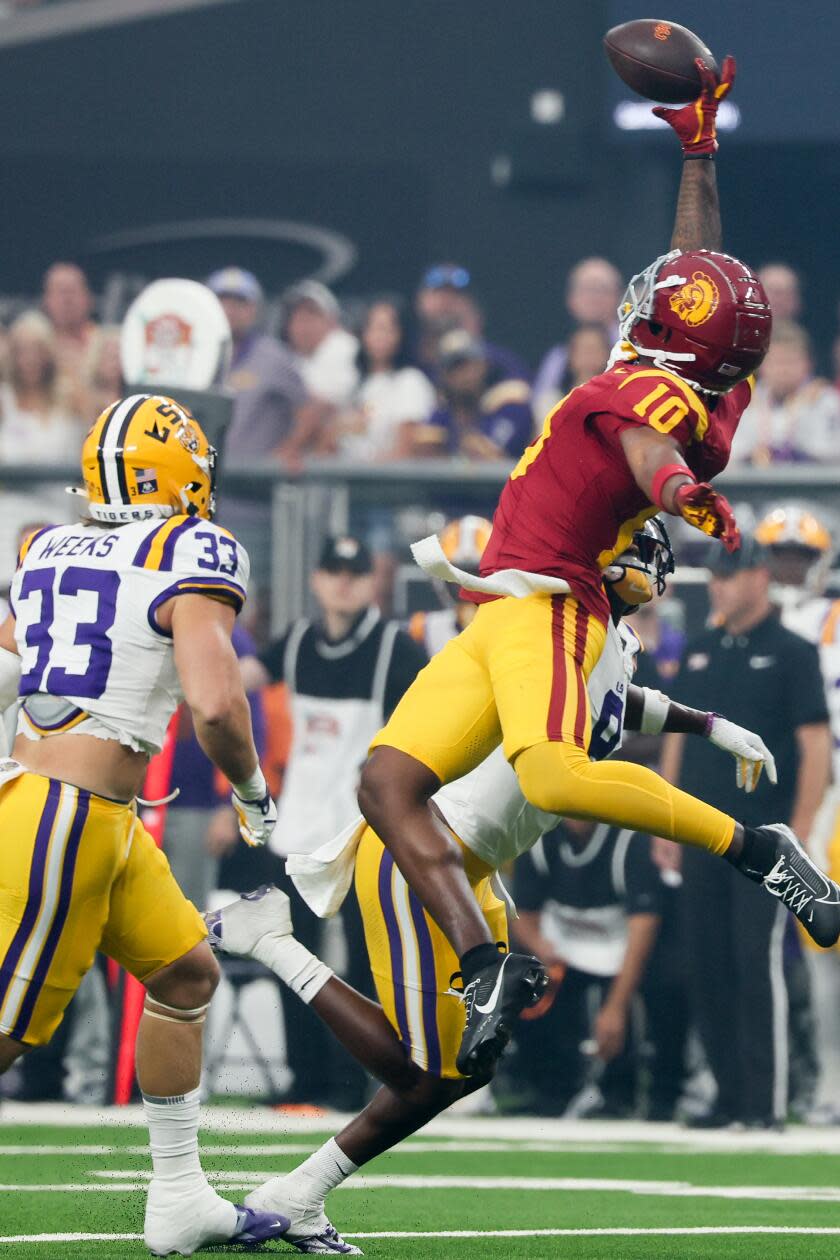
{"x":274,"y":656}
{"x":642,"y":881}
{"x":406,"y":662}
{"x":806,"y":686}
{"x":658,"y":400}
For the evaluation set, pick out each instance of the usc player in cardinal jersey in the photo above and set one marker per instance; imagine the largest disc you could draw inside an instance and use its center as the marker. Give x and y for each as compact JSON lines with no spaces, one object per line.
{"x":644,"y":436}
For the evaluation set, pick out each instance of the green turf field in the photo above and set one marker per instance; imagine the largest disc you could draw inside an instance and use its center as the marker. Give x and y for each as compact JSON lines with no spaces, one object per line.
{"x":481,"y":1195}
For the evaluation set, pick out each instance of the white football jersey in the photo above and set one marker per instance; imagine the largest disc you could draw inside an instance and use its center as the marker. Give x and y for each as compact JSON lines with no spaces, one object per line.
{"x":486,"y":808}
{"x":817,"y":619}
{"x":85,"y":597}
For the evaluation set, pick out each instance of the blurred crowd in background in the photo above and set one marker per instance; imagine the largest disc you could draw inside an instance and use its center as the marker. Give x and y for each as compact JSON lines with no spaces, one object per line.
{"x":393,"y":378}
{"x":628,"y":1024}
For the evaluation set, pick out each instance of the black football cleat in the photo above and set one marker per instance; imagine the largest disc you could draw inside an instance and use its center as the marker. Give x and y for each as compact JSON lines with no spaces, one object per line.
{"x":493,"y":1000}
{"x":801,"y":886}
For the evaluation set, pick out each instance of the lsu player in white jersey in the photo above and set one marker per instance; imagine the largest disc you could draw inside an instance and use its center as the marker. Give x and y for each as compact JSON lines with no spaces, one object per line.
{"x":463,"y":541}
{"x":801,"y":547}
{"x":114,"y":621}
{"x":410,"y":1041}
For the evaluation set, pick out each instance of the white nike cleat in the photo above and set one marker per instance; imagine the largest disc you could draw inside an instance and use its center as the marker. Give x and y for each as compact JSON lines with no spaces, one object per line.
{"x":236,"y":928}
{"x":310,"y":1230}
{"x":184,"y":1216}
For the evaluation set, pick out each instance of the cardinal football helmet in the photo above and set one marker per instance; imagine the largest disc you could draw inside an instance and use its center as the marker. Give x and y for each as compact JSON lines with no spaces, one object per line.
{"x":702,"y":315}
{"x":147,"y":456}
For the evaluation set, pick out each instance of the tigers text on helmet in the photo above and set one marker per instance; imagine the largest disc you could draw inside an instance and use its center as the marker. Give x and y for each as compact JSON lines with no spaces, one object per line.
{"x":801,"y":548}
{"x":147,"y":456}
{"x":702,"y":315}
{"x":644,"y":567}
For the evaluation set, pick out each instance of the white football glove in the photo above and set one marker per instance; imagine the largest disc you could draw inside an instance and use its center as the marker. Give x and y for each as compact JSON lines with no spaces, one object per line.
{"x":749,"y":750}
{"x":255,"y":809}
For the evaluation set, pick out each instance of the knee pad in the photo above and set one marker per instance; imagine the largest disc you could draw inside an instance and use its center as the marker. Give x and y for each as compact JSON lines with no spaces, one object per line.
{"x":174,"y":1014}
{"x":549,"y":775}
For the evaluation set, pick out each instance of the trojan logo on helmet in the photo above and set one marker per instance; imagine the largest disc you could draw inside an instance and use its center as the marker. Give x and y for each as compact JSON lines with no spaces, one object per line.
{"x":696,"y":301}
{"x":147,"y":456}
{"x":702,"y":315}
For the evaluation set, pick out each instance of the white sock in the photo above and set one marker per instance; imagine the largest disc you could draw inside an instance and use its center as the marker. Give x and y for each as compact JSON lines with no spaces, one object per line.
{"x":173,"y":1135}
{"x":312,"y":1180}
{"x":305,"y":974}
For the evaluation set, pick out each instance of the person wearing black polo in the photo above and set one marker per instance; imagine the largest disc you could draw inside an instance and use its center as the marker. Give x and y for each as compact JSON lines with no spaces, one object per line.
{"x":588,"y":898}
{"x":345,"y":673}
{"x":769,"y":679}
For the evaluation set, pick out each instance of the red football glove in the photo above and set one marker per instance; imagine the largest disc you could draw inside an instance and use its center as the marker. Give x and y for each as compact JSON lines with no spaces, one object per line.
{"x":696,"y":124}
{"x":708,"y":511}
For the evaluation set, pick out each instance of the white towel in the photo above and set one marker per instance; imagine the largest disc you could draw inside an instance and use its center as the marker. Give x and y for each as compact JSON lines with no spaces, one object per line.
{"x":430,"y":556}
{"x":323,"y":878}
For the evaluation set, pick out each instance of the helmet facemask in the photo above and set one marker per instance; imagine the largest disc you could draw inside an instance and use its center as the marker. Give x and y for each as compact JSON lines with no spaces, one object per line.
{"x":641,"y":570}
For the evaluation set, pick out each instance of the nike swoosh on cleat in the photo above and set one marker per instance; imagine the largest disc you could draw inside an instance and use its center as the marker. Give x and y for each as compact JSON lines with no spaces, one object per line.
{"x":494,"y":996}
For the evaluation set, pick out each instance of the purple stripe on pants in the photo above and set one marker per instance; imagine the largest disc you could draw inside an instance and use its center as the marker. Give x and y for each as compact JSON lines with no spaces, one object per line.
{"x":386,"y":901}
{"x":428,"y":980}
{"x":62,"y":909}
{"x":35,"y":891}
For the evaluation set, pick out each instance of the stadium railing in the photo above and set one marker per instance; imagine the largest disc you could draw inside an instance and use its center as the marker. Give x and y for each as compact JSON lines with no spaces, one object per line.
{"x":330,"y":496}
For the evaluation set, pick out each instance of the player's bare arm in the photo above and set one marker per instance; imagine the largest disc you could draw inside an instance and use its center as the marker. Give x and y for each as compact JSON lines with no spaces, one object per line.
{"x":659,"y":469}
{"x":211,"y":679}
{"x":697,"y":223}
{"x":209,"y":673}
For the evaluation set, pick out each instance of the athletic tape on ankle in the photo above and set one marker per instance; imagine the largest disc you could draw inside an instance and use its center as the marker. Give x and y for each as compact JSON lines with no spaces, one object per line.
{"x":179,"y":1015}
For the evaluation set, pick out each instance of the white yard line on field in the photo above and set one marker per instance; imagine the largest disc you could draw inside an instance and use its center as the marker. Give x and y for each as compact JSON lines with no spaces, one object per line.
{"x":664,"y":1232}
{"x":228,"y":1121}
{"x":122,"y":1180}
{"x":409,"y":1147}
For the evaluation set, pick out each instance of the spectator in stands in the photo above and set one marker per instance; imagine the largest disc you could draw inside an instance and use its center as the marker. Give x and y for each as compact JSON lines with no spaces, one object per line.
{"x":325,"y":352}
{"x":794,"y":416}
{"x":102,"y":377}
{"x":475,"y":420}
{"x":784,"y":289}
{"x":68,"y":304}
{"x":36,"y":422}
{"x":769,"y":678}
{"x":269,"y":397}
{"x":392,"y":394}
{"x":588,"y":350}
{"x":36,"y":427}
{"x":445,"y":300}
{"x":588,"y":897}
{"x":593,"y":292}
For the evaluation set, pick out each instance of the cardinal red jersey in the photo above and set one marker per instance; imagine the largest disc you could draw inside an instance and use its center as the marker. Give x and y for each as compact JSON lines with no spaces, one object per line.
{"x":571,"y":505}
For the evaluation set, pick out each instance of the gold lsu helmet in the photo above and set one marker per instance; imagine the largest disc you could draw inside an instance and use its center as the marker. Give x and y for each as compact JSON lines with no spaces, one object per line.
{"x":791,"y":528}
{"x":463,"y":541}
{"x":147,"y":456}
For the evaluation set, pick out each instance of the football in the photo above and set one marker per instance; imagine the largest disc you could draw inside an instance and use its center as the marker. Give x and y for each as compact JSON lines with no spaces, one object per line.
{"x":656,"y":59}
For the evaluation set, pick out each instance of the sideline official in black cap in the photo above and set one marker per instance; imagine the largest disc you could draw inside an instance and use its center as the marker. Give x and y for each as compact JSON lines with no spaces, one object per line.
{"x":768,"y":679}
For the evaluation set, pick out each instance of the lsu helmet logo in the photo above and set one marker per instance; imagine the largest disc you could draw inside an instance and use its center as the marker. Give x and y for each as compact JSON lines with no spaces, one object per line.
{"x":696,"y":301}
